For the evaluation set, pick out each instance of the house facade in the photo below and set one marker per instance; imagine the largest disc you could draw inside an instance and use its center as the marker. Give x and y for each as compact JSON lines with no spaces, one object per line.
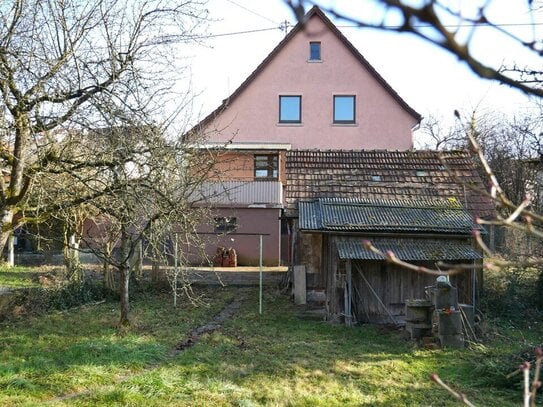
{"x":313,"y":91}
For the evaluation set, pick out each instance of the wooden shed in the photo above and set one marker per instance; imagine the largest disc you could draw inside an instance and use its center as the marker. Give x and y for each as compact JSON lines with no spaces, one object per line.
{"x":359,"y":284}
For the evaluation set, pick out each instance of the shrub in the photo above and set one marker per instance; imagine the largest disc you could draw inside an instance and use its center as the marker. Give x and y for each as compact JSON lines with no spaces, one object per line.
{"x":513,"y":293}
{"x":42,"y":299}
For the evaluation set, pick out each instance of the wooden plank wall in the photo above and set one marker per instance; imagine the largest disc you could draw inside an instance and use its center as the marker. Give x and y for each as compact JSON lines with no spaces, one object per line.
{"x":395,"y":285}
{"x":310,"y":251}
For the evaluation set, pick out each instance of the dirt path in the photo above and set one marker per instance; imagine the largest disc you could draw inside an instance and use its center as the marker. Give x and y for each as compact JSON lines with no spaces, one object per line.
{"x":194,"y":335}
{"x":190,"y":340}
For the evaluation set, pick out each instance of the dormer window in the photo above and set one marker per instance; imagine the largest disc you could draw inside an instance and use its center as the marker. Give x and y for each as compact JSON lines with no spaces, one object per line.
{"x":314,"y":51}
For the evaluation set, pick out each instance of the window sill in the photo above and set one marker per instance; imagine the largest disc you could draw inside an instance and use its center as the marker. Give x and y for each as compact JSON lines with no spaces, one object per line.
{"x":289,"y":124}
{"x":344,"y":124}
{"x":315,"y":61}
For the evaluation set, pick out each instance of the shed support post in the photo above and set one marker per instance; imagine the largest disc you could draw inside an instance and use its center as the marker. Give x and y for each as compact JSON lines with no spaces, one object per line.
{"x":333,"y":307}
{"x":348,"y":295}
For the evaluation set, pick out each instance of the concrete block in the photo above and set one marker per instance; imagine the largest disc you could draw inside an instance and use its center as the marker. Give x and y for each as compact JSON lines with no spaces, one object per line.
{"x":444,"y":296}
{"x":452,"y":341}
{"x":299,"y":285}
{"x":449,"y":323}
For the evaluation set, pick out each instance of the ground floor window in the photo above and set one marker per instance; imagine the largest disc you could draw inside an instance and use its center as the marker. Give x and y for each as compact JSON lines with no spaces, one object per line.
{"x":225,"y":224}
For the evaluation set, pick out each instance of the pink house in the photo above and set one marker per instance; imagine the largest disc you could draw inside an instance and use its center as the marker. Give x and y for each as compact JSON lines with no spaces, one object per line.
{"x":313,"y":91}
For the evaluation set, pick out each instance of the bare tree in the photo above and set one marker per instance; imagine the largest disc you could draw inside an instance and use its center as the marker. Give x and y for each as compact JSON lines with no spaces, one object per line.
{"x":513,"y":147}
{"x":57,"y":59}
{"x":144,"y":178}
{"x":453,"y":28}
{"x":435,"y":135}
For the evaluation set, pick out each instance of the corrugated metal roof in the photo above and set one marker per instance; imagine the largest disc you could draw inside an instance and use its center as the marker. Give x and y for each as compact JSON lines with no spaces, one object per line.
{"x":379,"y":215}
{"x":407,"y":249}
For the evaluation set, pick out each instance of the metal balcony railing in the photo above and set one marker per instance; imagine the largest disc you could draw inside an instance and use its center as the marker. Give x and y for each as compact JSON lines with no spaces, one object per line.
{"x":269,"y":193}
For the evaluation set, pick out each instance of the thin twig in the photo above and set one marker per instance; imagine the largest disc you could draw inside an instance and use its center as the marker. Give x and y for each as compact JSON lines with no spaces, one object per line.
{"x":459,"y":396}
{"x":526,"y":372}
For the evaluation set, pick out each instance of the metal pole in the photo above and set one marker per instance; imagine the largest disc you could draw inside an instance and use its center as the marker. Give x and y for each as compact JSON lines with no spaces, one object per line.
{"x":260,"y":293}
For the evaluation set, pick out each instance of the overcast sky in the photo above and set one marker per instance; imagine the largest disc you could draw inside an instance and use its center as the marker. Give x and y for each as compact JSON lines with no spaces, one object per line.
{"x":427,"y":78}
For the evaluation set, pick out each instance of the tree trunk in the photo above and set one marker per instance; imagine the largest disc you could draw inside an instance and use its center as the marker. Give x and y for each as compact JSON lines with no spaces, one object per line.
{"x":15,"y":189}
{"x":124,"y":272}
{"x":137,"y":261}
{"x":11,"y":250}
{"x":6,"y":228}
{"x":155,"y":271}
{"x":156,"y":277}
{"x":109,"y":279}
{"x":71,"y":258}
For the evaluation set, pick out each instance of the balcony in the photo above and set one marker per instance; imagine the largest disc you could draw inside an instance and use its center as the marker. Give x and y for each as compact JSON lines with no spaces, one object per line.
{"x":268,"y":194}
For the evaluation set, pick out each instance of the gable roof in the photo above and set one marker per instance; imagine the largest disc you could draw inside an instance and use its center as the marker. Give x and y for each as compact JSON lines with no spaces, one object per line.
{"x":315,"y":11}
{"x":389,"y":175}
{"x":383,"y":216}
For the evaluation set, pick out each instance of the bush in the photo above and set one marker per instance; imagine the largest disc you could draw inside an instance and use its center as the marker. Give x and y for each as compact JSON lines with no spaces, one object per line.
{"x":497,"y":369}
{"x":75,"y":293}
{"x":43,"y":299}
{"x":513,"y":293}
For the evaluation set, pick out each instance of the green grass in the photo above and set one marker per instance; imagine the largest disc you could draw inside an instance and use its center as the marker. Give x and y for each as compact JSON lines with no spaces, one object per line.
{"x":279,"y":359}
{"x":18,"y":277}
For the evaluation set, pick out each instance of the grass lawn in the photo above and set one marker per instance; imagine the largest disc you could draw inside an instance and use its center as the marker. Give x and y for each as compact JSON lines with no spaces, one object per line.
{"x":18,"y":277}
{"x":277,"y":359}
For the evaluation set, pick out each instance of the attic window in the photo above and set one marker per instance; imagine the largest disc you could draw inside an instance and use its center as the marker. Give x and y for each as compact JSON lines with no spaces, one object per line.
{"x":314,"y":51}
{"x":290,"y":109}
{"x":344,"y":109}
{"x":376,"y":178}
{"x":422,"y":173}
